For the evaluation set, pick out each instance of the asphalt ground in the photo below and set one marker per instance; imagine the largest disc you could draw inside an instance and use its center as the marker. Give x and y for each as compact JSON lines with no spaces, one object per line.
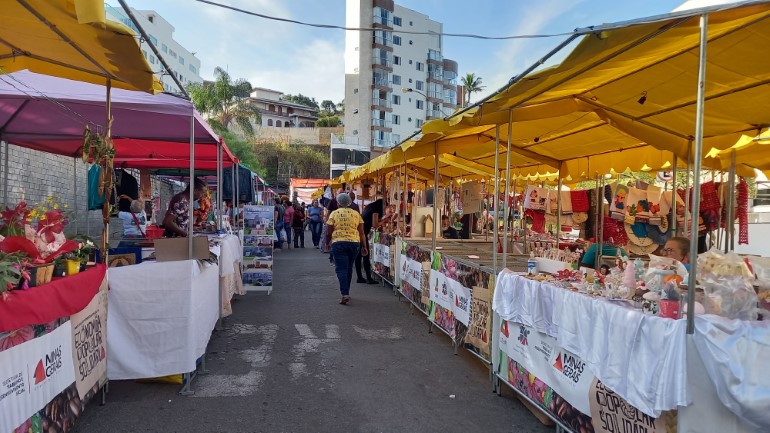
{"x":297,"y":361}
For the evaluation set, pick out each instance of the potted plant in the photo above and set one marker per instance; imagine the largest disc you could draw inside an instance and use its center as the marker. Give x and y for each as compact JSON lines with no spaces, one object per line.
{"x":37,"y":234}
{"x":13,"y":273}
{"x":84,"y":253}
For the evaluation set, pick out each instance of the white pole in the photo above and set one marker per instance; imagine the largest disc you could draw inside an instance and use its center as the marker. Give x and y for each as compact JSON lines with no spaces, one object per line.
{"x":494,"y":202}
{"x":220,"y":201}
{"x":558,"y":204}
{"x":673,"y":196}
{"x":696,"y":181}
{"x":687,"y":190}
{"x":435,"y":193}
{"x":507,"y":189}
{"x":191,"y":218}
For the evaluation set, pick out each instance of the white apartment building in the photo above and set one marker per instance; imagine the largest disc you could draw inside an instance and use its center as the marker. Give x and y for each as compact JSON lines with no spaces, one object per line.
{"x":183,"y":63}
{"x":394,"y":81}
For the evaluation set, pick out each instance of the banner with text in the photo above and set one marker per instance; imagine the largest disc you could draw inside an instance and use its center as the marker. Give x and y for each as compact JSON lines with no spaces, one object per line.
{"x":545,"y":359}
{"x":451,"y":295}
{"x":33,"y":373}
{"x":89,"y":343}
{"x":411,"y":272}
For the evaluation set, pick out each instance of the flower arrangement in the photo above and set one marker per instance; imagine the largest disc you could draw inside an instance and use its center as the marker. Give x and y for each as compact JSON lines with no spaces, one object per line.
{"x":13,"y":269}
{"x":31,"y":236}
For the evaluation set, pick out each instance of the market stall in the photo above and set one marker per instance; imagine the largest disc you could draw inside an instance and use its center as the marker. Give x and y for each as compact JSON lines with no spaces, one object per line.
{"x":52,"y":335}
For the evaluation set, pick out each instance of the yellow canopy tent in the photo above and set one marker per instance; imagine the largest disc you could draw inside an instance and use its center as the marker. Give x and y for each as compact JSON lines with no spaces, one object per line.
{"x":72,"y":39}
{"x":634,"y":83}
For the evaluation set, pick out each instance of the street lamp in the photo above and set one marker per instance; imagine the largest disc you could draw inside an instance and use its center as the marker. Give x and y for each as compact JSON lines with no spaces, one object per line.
{"x":411,"y":90}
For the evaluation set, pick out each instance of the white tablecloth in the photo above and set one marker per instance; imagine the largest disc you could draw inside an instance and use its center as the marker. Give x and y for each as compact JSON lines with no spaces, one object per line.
{"x":161,"y":317}
{"x":640,"y":357}
{"x":230,"y":254}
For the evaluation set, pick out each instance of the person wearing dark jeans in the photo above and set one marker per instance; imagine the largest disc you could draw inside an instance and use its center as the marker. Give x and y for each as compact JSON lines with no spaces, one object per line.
{"x":298,"y":226}
{"x":345,"y":234}
{"x":372,"y":210}
{"x":315,"y":215}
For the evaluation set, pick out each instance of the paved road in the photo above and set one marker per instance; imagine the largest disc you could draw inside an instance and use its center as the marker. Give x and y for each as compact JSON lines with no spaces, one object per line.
{"x":297,"y":361}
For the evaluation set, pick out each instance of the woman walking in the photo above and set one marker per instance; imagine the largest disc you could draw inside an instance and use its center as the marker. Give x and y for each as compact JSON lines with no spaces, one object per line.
{"x":345,"y":233}
{"x":315,"y":215}
{"x":298,"y":224}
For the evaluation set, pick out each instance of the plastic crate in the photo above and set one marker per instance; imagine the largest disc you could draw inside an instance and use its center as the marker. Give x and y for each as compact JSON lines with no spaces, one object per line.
{"x":154,"y":232}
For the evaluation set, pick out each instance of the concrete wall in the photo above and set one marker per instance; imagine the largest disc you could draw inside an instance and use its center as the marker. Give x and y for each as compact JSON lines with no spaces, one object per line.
{"x":33,"y":176}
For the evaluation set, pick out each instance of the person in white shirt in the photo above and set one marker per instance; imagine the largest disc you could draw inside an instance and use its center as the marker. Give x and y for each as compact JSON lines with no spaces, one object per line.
{"x":134,"y":222}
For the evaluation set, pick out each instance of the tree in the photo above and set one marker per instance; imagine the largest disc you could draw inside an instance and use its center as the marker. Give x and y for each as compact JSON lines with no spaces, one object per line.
{"x":329,"y":107}
{"x":330,"y":121}
{"x":471,"y":84}
{"x":225,"y":101}
{"x":243,"y":150}
{"x":302,"y":100}
{"x":303,"y":160}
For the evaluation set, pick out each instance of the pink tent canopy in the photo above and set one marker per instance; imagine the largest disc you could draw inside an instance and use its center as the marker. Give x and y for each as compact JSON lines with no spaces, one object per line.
{"x":150,"y":131}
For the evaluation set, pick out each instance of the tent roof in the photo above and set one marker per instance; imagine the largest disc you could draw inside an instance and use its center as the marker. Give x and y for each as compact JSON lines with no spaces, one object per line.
{"x":44,"y":112}
{"x":72,"y":39}
{"x":627,"y":91}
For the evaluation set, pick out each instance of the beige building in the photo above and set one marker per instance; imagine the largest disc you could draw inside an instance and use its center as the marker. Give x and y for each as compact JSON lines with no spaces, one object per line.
{"x":282,"y":114}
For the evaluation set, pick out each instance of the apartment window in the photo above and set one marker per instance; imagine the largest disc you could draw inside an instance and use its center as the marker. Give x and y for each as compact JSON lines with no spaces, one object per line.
{"x":193,"y":69}
{"x":181,"y":60}
{"x":173,"y":53}
{"x":396,"y":40}
{"x":396,"y":119}
{"x":397,"y":79}
{"x":145,"y":54}
{"x":152,"y":59}
{"x":410,"y":23}
{"x":410,"y":62}
{"x":181,"y":78}
{"x":396,"y":99}
{"x":278,"y":123}
{"x":396,"y":60}
{"x":420,"y":104}
{"x":355,"y":91}
{"x":420,"y":66}
{"x":153,"y":39}
{"x":419,"y":122}
{"x":419,"y":85}
{"x":397,"y":21}
{"x":163,"y":48}
{"x":410,"y":42}
{"x":410,"y":81}
{"x":269,"y":122}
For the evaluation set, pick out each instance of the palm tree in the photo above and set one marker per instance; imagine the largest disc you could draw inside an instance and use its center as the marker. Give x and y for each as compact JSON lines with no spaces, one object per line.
{"x":225,"y":101}
{"x":471,"y":84}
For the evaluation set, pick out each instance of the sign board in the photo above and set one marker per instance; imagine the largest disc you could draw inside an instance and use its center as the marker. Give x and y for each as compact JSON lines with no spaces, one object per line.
{"x":258,"y":236}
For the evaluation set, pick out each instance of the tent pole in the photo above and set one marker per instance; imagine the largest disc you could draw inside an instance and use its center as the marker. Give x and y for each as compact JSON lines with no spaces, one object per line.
{"x":696,"y":180}
{"x":107,"y":175}
{"x":237,"y":190}
{"x":673,"y":197}
{"x":558,"y":204}
{"x":507,"y":189}
{"x":435,"y":194}
{"x":190,"y":216}
{"x":75,"y":192}
{"x":730,"y":223}
{"x":234,"y":203}
{"x":494,"y":202}
{"x":687,"y":191}
{"x":6,"y":157}
{"x":220,"y":201}
{"x":598,"y":219}
{"x":406,"y":192}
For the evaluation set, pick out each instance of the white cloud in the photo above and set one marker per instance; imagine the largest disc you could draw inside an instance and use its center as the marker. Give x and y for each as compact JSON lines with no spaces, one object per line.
{"x":316,"y":70}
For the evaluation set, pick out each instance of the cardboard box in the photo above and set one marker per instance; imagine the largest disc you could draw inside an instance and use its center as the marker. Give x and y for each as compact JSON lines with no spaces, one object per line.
{"x":173,"y":249}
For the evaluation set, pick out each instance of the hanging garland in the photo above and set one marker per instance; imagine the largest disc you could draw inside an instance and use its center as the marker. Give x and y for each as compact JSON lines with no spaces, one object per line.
{"x":99,"y":149}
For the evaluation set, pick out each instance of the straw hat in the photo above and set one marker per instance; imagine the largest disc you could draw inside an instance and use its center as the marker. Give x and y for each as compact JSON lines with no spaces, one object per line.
{"x":634,"y":239}
{"x":579,"y":217}
{"x":639,"y":250}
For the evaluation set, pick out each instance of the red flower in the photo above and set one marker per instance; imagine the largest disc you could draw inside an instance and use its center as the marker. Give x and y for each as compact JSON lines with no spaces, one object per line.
{"x":14,"y":244}
{"x":50,"y":224}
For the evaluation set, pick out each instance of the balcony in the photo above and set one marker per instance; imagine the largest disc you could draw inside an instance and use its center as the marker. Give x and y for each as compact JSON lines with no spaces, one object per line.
{"x":381,"y":82}
{"x":385,"y":21}
{"x":435,"y":55}
{"x":382,"y":61}
{"x":378,"y":142}
{"x":381,"y":123}
{"x":381,"y":40}
{"x":450,"y":82}
{"x":435,"y":114}
{"x":381,"y":102}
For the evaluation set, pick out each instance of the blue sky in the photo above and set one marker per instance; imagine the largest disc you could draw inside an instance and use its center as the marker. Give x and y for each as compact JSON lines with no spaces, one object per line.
{"x":297,"y":59}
